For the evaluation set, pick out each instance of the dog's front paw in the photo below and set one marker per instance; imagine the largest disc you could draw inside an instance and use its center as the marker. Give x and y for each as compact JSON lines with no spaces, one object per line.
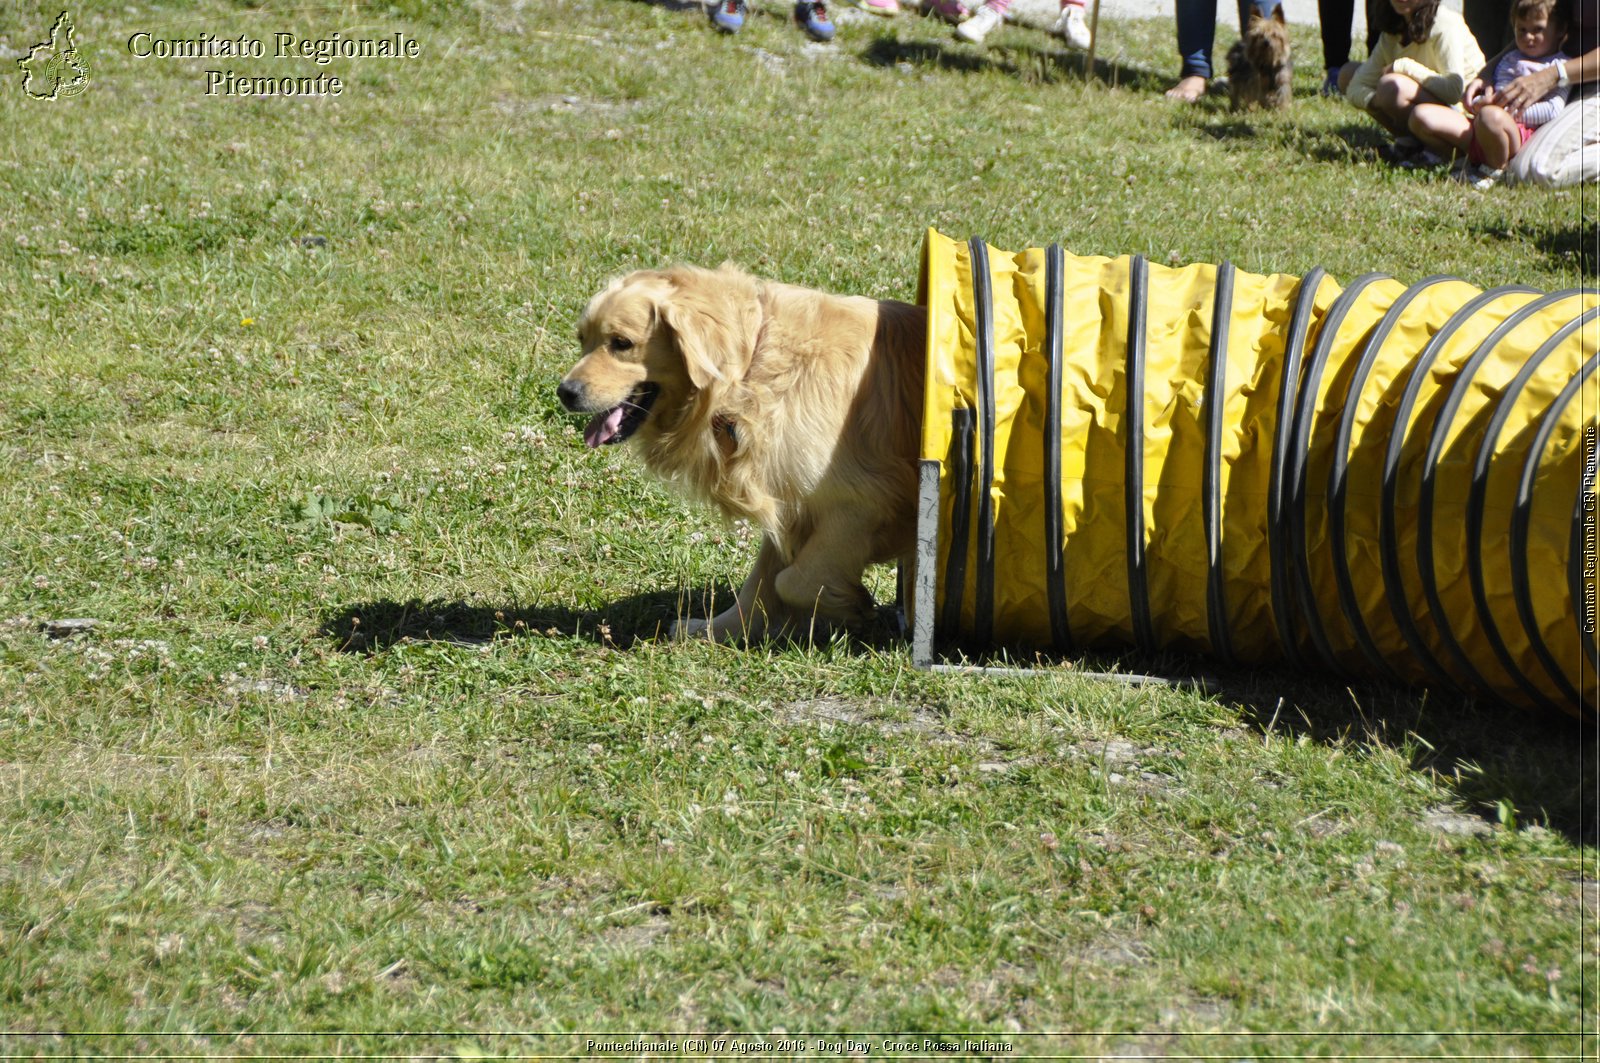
{"x":688,"y":629}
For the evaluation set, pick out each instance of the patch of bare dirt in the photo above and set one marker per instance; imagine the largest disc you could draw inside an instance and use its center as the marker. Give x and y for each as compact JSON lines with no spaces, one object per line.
{"x":637,"y":936}
{"x":918,"y":719}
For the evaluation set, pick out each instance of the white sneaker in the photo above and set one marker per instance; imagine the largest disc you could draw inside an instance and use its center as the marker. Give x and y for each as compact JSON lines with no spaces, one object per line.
{"x":1485,"y":177}
{"x":976,"y":28}
{"x":1073,"y":28}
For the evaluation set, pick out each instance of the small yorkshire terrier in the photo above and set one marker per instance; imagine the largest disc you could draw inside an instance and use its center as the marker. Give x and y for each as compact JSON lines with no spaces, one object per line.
{"x":1258,"y":63}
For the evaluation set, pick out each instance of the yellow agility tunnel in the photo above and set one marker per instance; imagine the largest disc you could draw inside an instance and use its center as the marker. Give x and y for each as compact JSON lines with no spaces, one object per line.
{"x":1379,"y":479}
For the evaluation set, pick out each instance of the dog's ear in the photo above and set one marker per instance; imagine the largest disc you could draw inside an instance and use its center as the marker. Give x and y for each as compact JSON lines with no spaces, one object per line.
{"x":715,"y":316}
{"x":1278,"y":17}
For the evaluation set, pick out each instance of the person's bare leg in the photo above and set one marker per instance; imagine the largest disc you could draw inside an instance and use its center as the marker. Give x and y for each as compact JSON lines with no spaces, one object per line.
{"x":1498,"y":135}
{"x":1391,"y":104}
{"x":1445,"y":130}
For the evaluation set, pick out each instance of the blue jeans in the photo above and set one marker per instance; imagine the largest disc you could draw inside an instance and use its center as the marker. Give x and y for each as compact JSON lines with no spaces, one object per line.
{"x":1197,"y":26}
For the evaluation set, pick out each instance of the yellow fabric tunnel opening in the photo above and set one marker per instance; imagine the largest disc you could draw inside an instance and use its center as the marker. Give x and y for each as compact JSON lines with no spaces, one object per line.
{"x":1375,"y":478}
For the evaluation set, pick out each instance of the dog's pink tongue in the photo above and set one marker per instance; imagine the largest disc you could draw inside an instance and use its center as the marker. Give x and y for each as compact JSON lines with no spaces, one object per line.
{"x":603,"y":426}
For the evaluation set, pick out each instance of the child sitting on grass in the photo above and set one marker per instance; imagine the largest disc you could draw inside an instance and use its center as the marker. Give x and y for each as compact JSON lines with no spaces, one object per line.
{"x":1495,"y":135}
{"x":1425,"y":54}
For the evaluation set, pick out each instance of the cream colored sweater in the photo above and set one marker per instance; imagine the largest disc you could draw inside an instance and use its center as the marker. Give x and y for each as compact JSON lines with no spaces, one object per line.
{"x":1442,"y":64}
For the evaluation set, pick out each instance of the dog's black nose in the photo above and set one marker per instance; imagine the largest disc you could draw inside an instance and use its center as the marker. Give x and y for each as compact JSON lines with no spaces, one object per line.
{"x":569,"y":394}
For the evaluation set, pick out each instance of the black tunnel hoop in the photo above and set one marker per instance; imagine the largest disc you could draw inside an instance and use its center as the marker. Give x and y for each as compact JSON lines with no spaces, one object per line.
{"x":1388,"y":530}
{"x":1300,"y":465}
{"x":1054,"y":536}
{"x":1338,"y":477}
{"x":1216,"y":399}
{"x":1430,"y":464}
{"x":963,"y":427}
{"x":1477,"y":496}
{"x":1133,"y":474}
{"x":983,"y":308}
{"x":1521,"y":514}
{"x":1280,"y":542}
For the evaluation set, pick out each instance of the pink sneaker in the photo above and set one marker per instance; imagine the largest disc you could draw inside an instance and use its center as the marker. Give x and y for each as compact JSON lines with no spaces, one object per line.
{"x":949,"y":10}
{"x":883,"y":8}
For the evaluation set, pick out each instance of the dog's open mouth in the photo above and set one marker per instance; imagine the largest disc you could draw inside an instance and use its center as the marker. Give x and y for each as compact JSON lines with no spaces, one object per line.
{"x":622,"y":420}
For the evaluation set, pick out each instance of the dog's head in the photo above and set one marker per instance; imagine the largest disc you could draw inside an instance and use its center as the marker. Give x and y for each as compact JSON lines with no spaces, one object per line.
{"x":658,"y":347}
{"x":1266,"y":38}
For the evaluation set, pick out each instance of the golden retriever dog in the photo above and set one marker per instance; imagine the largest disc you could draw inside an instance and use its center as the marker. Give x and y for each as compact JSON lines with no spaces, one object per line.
{"x":796,"y":410}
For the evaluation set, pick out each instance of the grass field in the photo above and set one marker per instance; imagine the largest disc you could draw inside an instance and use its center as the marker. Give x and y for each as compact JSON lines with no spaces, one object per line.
{"x":373,"y":745}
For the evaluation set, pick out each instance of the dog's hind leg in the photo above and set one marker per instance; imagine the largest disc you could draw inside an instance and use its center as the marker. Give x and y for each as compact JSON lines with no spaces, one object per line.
{"x":824,"y":579}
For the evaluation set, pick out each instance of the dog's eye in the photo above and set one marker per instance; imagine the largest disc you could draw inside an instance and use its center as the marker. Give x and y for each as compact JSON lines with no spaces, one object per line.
{"x":621,"y":343}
